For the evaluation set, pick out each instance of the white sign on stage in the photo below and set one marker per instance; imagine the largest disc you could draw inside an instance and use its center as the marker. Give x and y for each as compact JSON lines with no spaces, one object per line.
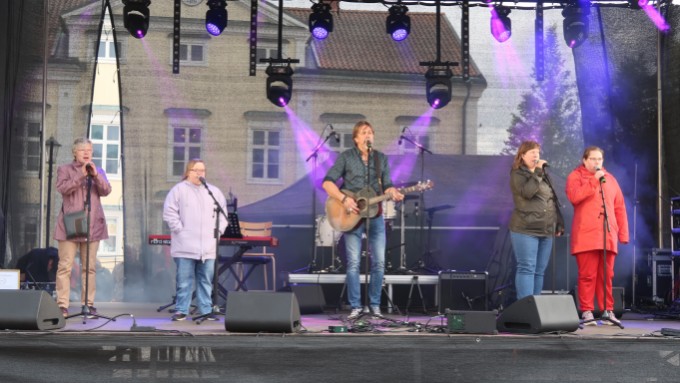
{"x":9,"y":279}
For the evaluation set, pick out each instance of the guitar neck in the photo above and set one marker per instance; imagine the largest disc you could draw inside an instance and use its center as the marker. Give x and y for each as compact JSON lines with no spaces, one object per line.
{"x":384,"y":197}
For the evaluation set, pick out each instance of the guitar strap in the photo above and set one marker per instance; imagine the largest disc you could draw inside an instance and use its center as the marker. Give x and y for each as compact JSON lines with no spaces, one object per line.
{"x":378,"y":171}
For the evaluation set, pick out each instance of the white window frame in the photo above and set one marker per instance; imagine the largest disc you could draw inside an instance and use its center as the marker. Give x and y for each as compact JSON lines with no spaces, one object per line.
{"x":105,"y":142}
{"x":189,"y":42}
{"x":26,"y":141}
{"x":186,"y":145}
{"x":114,"y":223}
{"x":251,"y":147}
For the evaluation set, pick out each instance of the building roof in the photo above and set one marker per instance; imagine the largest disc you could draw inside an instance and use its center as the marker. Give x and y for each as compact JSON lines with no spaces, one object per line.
{"x":359,"y":42}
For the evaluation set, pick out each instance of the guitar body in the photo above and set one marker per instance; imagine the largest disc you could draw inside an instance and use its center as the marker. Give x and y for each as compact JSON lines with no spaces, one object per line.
{"x":367,"y":202}
{"x":341,"y":220}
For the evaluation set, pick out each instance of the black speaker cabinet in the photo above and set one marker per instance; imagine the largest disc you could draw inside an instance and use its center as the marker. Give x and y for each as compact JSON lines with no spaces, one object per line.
{"x":310,"y":298}
{"x":472,"y":322}
{"x":618,"y":294}
{"x":29,"y":310}
{"x":462,"y":290}
{"x":540,"y":313}
{"x":262,"y":311}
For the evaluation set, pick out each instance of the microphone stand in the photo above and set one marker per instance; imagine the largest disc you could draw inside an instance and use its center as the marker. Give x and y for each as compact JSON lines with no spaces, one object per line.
{"x":605,"y":228}
{"x":314,"y":155}
{"x":421,"y":264}
{"x":85,"y":310}
{"x":218,"y":210}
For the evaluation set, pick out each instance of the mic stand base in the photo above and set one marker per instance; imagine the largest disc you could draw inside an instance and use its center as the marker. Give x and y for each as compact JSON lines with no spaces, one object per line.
{"x":85,"y":312}
{"x":211,"y":315}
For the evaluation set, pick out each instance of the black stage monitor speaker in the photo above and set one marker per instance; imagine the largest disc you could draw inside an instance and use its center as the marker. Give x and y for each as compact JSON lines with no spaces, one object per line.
{"x":309,"y":297}
{"x":540,"y":313}
{"x":462,"y":290}
{"x":618,"y":294}
{"x":262,"y":311}
{"x":29,"y":310}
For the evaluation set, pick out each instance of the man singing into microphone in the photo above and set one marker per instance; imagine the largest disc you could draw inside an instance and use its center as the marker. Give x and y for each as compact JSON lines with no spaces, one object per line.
{"x":72,"y":184}
{"x":585,"y":186}
{"x":352,"y":166}
{"x":189,"y":211}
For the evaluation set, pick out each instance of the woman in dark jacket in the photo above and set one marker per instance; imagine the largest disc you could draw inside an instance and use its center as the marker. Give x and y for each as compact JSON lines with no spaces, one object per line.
{"x":535,"y":220}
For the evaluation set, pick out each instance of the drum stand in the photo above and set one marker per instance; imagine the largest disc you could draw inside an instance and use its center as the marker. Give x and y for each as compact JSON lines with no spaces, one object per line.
{"x":401,"y":269}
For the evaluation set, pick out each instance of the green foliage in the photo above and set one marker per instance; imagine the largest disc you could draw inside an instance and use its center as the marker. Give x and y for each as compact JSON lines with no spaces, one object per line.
{"x":550,"y":113}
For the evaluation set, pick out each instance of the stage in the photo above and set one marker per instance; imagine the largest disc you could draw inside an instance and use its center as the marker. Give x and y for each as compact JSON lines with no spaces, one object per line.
{"x":401,"y":349}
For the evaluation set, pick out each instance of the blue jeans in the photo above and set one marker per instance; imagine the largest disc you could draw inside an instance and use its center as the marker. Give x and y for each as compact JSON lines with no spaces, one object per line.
{"x":188,"y":272}
{"x":532,"y":254}
{"x":376,"y":244}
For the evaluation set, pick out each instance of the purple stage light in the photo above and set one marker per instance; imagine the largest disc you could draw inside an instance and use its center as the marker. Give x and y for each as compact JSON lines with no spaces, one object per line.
{"x":399,"y":35}
{"x":319,"y":33}
{"x":501,"y":25}
{"x":213,"y":29}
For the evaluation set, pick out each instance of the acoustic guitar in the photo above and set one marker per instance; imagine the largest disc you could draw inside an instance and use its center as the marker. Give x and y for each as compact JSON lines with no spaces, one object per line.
{"x":367,"y":201}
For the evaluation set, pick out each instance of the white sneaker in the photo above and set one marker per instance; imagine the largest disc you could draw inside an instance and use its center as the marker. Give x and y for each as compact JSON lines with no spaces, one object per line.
{"x":375,"y":312}
{"x":354,"y":314}
{"x":613,"y":321}
{"x":587,"y":319}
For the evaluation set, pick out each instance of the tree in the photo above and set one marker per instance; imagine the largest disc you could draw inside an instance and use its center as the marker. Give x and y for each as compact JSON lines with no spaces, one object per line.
{"x":549,"y":114}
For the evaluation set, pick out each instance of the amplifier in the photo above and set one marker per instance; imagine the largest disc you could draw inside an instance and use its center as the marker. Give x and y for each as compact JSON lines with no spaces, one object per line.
{"x":472,"y":322}
{"x":463,"y":290}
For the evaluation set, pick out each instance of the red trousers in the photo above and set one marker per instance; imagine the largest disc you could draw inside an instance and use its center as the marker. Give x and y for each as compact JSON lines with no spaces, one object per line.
{"x":590,"y":279}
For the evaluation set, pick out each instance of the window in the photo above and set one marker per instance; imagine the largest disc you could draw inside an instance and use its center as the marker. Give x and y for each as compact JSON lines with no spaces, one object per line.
{"x":29,"y":139}
{"x":186,"y":144}
{"x":109,"y":246}
{"x":265,"y":156}
{"x":409,"y":147}
{"x":265,"y":53}
{"x":30,"y":231}
{"x":346,"y":141}
{"x":106,"y":148}
{"x":191,"y":53}
{"x":107,"y":49}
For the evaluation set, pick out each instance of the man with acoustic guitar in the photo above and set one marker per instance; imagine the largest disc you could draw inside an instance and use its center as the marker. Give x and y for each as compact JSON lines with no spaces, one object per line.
{"x":353,"y":166}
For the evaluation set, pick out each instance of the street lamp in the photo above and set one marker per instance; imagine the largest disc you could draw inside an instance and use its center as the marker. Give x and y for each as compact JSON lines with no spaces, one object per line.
{"x":53,"y":146}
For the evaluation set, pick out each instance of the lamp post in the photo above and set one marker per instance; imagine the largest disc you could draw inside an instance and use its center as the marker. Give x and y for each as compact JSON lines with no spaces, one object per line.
{"x":53,"y":147}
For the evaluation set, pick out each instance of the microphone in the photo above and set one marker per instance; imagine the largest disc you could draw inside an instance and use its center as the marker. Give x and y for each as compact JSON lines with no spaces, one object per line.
{"x":401,"y":137}
{"x":202,"y":181}
{"x":602,"y":179}
{"x":369,"y":145}
{"x":89,"y":169}
{"x":334,"y":134}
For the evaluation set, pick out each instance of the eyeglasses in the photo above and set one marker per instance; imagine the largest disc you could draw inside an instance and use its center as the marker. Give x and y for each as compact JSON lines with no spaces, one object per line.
{"x":84,"y":150}
{"x":198,"y":170}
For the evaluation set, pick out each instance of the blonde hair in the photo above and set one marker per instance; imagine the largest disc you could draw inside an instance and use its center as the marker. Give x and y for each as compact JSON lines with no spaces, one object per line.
{"x":190,"y":166}
{"x":524,"y":147}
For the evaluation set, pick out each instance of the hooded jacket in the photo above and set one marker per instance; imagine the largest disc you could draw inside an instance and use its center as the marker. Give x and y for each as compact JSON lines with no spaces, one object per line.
{"x":583,"y":190}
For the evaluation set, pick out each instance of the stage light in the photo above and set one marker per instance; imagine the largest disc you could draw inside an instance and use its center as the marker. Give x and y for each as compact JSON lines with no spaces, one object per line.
{"x":398,"y":23}
{"x":320,"y":21}
{"x":279,"y":83}
{"x":501,"y":25}
{"x":575,"y":24}
{"x":136,"y":17}
{"x":438,"y":86}
{"x":216,"y":17}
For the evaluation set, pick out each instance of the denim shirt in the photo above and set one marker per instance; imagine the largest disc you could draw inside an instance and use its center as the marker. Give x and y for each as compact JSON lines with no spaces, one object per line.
{"x":351,"y":168}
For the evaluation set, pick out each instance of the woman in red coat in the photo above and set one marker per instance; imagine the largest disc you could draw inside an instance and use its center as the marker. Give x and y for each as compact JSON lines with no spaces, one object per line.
{"x":585,"y":187}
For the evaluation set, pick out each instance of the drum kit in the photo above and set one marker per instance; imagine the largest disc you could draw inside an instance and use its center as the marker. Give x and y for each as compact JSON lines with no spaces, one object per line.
{"x":326,"y":236}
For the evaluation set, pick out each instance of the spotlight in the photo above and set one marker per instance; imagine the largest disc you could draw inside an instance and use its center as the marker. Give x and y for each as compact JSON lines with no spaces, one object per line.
{"x":438,"y":86}
{"x":136,"y":17}
{"x":575,"y":24}
{"x":398,"y":23}
{"x":216,"y":17}
{"x":501,"y":25}
{"x":320,"y":21}
{"x":279,"y":83}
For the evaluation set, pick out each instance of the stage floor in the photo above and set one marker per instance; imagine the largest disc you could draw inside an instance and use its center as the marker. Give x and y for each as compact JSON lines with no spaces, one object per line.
{"x":147,"y":316}
{"x":403,"y":349}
